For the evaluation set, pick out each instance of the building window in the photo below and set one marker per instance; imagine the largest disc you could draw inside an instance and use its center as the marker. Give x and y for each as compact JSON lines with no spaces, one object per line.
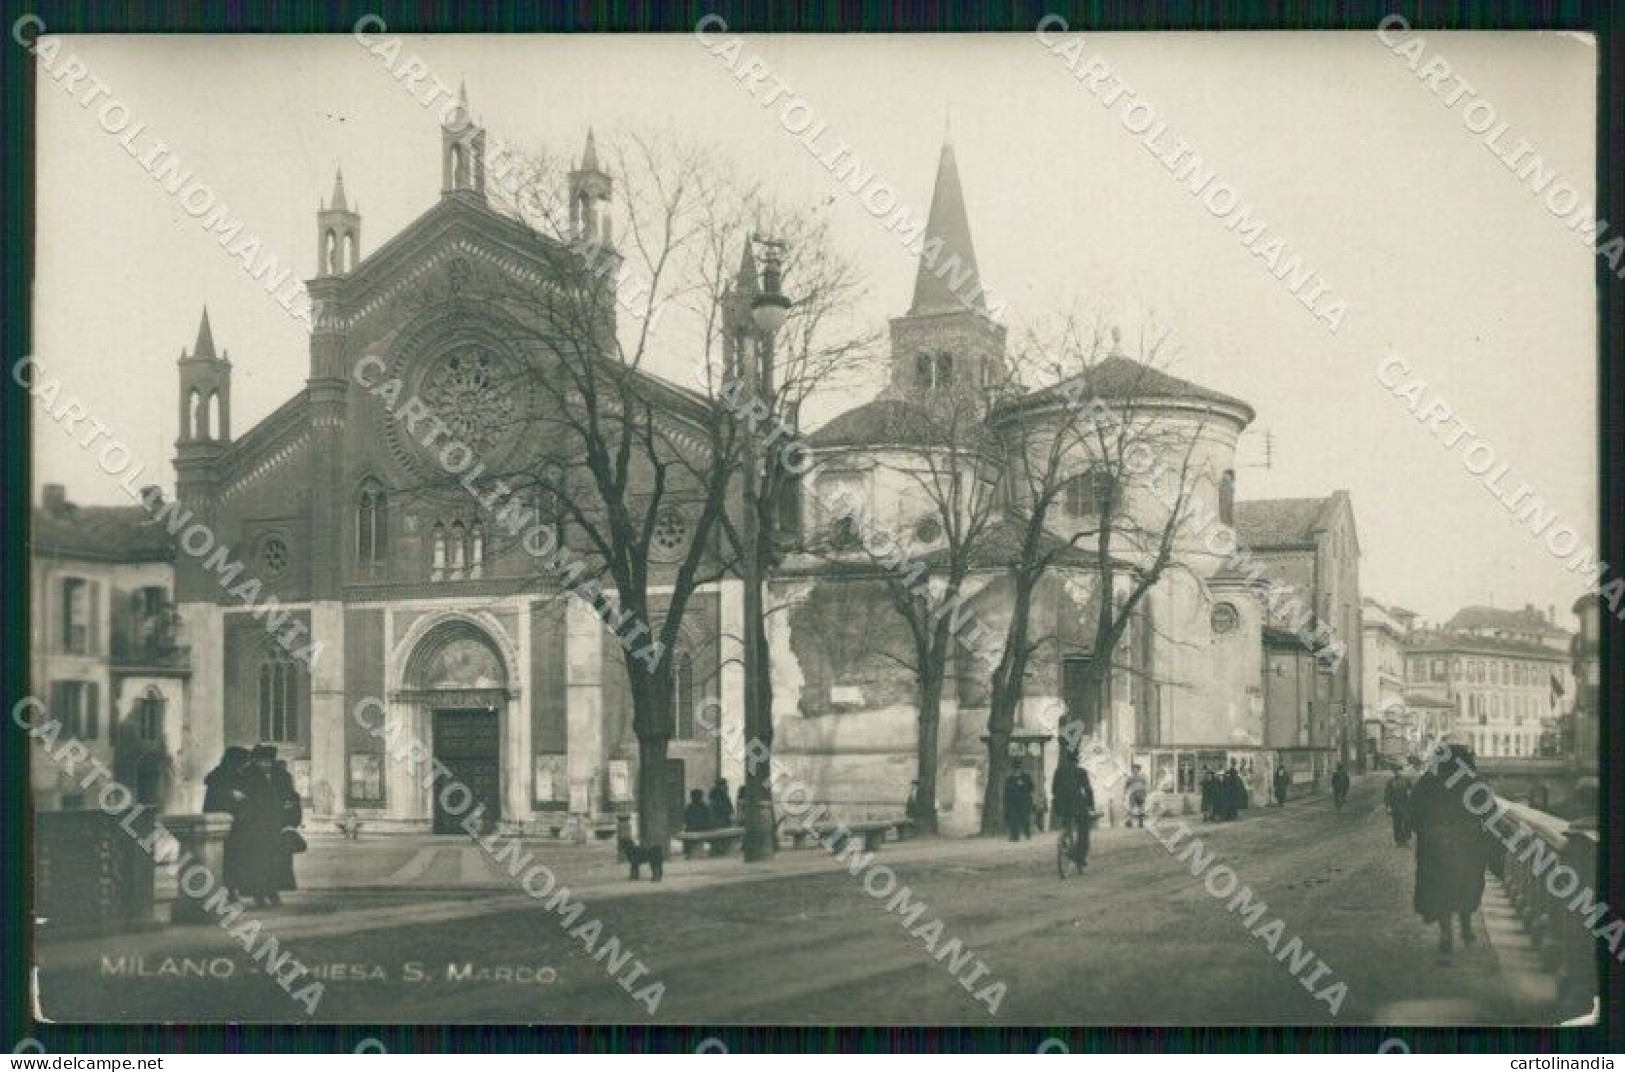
{"x":476,"y":550}
{"x":75,"y":707}
{"x":1227,"y":498}
{"x":149,"y":715}
{"x":76,"y":615}
{"x":1087,"y":493}
{"x":371,"y":524}
{"x":1437,"y":670}
{"x":437,"y":563}
{"x":274,"y":555}
{"x":1080,"y":693}
{"x":682,"y":696}
{"x":151,"y":600}
{"x":934,"y":372}
{"x":279,"y":699}
{"x":459,"y":550}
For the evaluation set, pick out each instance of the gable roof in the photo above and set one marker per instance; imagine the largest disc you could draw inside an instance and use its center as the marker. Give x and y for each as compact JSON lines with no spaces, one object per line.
{"x":1267,"y":523}
{"x":101,"y":533}
{"x":1527,"y":620}
{"x":888,"y":422}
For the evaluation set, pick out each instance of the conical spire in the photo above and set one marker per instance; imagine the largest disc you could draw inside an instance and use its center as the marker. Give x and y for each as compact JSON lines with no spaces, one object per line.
{"x":338,"y":201}
{"x":746,"y":281}
{"x":589,"y":155}
{"x":947,"y":279}
{"x":205,"y":338}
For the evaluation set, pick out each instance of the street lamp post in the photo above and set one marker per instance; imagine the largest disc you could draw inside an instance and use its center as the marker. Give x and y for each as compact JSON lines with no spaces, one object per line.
{"x":768,"y":312}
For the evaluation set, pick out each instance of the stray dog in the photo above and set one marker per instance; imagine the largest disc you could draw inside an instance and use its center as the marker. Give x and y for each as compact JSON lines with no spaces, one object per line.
{"x":638,"y":855}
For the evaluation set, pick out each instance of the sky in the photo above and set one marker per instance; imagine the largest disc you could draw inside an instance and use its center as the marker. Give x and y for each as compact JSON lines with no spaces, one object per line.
{"x":1444,"y":258}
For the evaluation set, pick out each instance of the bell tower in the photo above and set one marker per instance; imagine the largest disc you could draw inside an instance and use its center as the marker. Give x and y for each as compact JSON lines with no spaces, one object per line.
{"x":205,"y":382}
{"x":462,"y":150}
{"x":590,"y":191}
{"x":338,"y":234}
{"x":947,"y":345}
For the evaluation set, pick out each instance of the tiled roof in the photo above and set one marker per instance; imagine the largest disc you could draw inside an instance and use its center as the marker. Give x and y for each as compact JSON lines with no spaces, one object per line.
{"x":1265,"y":523}
{"x":896,"y":422}
{"x":1466,"y":642}
{"x":104,"y":533}
{"x":1122,"y":378}
{"x":1528,"y":620}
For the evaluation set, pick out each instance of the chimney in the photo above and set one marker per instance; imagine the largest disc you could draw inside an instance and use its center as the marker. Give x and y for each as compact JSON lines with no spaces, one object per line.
{"x":54,"y":497}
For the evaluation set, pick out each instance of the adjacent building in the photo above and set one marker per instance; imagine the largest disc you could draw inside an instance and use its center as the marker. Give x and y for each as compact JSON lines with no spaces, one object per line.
{"x":1585,"y":666}
{"x":108,"y":657}
{"x":1387,"y":725}
{"x":1505,"y":675}
{"x":1312,"y":546}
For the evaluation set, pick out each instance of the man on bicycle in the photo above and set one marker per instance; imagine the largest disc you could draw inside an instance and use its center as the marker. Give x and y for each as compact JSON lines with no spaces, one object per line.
{"x":1074,"y":804}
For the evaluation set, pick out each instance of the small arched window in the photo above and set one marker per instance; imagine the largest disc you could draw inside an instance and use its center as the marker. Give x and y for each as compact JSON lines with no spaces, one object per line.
{"x":476,"y":549}
{"x":682,"y":696}
{"x":459,"y":550}
{"x":371,"y":524}
{"x":279,"y":699}
{"x":1227,"y":498}
{"x":149,"y":715}
{"x":437,"y":566}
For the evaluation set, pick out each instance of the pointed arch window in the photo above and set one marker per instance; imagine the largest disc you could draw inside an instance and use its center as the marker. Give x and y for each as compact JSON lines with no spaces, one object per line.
{"x":371,"y":524}
{"x":476,"y":549}
{"x":279,"y":698}
{"x":682,"y":696}
{"x":437,"y":565}
{"x":459,"y":550}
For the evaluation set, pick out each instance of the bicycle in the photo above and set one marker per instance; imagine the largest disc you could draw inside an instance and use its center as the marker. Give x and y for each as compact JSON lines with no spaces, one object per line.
{"x":1066,"y":861}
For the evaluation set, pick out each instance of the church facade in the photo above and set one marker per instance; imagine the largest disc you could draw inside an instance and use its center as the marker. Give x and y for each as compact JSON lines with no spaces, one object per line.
{"x":418,"y":616}
{"x":410,"y":609}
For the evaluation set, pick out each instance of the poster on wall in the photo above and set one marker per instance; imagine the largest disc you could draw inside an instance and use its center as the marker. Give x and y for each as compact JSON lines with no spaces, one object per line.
{"x":366,"y":778}
{"x":620,"y":781}
{"x":548,"y":784}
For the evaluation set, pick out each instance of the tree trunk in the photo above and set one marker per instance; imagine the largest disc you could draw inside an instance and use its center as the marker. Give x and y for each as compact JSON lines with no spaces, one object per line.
{"x":760,"y":843}
{"x":1000,"y":718}
{"x":654,"y":824}
{"x":926,"y":750}
{"x":1008,"y":688}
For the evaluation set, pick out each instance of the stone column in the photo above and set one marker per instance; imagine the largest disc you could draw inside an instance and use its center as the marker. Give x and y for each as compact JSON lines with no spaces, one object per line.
{"x":403,"y":778}
{"x":584,"y":707}
{"x":731,"y":721}
{"x":516,"y":760}
{"x":203,"y":714}
{"x":327,"y":710}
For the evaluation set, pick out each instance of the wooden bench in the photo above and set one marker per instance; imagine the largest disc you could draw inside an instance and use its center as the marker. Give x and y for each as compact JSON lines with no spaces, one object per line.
{"x":720,"y":841}
{"x":872,"y":831}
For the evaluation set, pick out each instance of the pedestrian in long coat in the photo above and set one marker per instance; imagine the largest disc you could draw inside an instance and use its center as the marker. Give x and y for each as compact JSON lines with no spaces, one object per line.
{"x":1018,"y":803}
{"x":722,"y":811}
{"x":1340,"y":786}
{"x":1231,"y":794}
{"x":222,"y":792}
{"x":1397,"y":796}
{"x":1210,"y":795}
{"x":1453,"y":847}
{"x":256,"y":834}
{"x":1283,"y":782}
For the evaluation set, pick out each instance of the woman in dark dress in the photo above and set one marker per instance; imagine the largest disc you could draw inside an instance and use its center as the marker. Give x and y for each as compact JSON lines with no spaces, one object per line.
{"x":263,"y":862}
{"x":1453,"y":848}
{"x":222,"y":793}
{"x":293,"y":814}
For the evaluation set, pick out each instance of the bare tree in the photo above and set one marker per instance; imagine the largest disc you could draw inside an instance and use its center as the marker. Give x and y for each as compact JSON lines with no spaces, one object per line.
{"x":628,"y":441}
{"x":1102,"y":478}
{"x":944,"y":460}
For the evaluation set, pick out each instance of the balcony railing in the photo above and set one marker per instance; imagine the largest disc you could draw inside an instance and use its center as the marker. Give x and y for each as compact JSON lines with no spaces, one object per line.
{"x":1539,"y":892}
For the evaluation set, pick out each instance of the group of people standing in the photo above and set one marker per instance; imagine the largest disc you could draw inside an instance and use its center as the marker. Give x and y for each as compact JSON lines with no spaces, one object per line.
{"x":715,"y":813}
{"x":1224,"y":796}
{"x":256,"y":789}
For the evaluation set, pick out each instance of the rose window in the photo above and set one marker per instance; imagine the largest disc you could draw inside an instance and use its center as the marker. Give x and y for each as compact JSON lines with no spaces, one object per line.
{"x":274,"y":555}
{"x":670,"y":536}
{"x":465,"y":390}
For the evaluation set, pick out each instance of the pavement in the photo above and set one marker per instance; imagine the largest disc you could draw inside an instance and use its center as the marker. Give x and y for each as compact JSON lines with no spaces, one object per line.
{"x":428,"y":930}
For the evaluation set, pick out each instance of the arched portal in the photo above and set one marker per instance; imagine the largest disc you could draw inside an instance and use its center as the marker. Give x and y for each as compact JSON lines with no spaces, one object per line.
{"x":459,"y":679}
